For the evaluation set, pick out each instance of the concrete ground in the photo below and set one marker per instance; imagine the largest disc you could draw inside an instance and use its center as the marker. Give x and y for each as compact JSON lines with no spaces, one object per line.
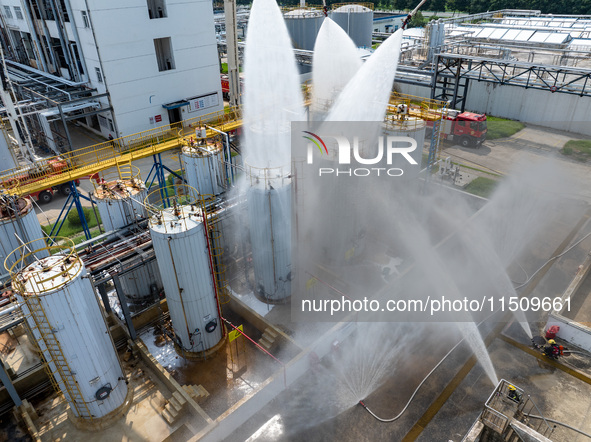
{"x":142,"y":422}
{"x":310,"y":410}
{"x":530,"y":145}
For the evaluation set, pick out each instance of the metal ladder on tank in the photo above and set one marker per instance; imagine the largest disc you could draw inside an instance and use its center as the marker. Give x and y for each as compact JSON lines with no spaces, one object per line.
{"x":219,"y":269}
{"x":434,"y":146}
{"x":47,"y":333}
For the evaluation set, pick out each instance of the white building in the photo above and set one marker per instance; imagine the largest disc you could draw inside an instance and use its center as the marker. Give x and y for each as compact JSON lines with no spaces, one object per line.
{"x":156,"y":59}
{"x":387,"y":23}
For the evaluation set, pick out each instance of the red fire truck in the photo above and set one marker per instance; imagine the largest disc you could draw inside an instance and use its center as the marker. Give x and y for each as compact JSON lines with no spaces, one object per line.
{"x":38,"y":172}
{"x":464,"y":128}
{"x":226,"y":85}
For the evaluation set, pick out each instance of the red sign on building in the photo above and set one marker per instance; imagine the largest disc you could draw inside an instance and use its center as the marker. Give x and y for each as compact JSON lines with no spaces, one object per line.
{"x":158,"y":118}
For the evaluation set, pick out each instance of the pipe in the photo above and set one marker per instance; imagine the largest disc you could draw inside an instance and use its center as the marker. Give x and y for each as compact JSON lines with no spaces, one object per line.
{"x":422,"y":382}
{"x":415,"y":392}
{"x":228,"y":153}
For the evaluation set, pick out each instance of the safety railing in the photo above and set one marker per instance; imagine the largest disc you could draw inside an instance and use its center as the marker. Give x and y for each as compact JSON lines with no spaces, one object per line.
{"x":90,"y":159}
{"x":37,"y":281}
{"x":339,"y":5}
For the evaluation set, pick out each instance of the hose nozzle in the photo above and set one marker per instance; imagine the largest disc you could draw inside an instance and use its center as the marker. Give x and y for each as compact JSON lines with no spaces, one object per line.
{"x":362,"y":404}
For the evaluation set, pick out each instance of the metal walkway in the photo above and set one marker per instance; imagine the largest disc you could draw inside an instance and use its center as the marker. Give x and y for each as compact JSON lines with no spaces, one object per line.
{"x":92,"y":159}
{"x":89,"y":160}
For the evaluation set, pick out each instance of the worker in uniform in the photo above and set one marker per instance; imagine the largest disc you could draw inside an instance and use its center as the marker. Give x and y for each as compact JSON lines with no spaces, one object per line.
{"x":513,"y":394}
{"x":552,"y":350}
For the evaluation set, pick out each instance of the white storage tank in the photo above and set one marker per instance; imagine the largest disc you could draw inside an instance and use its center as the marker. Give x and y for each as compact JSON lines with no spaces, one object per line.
{"x":119,"y":197}
{"x":203,"y":164}
{"x":412,"y":127}
{"x":269,"y":212}
{"x":18,"y":217}
{"x":357,"y":21}
{"x":63,"y":313}
{"x":141,"y":283}
{"x":7,"y":160}
{"x":303,"y":25}
{"x":182,"y":247}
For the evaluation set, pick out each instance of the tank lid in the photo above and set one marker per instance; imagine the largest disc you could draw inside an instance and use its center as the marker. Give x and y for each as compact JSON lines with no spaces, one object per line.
{"x":177,"y":219}
{"x":11,"y":206}
{"x":119,"y":189}
{"x":352,"y":8}
{"x":48,"y":274}
{"x":303,"y":13}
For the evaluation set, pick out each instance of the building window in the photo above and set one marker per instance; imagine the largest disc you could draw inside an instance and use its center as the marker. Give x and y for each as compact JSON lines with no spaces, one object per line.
{"x":111,"y":127}
{"x":18,"y":12}
{"x":85,"y":19}
{"x":99,"y":75}
{"x":103,"y":122}
{"x":7,"y":12}
{"x":164,"y":55}
{"x":156,"y":9}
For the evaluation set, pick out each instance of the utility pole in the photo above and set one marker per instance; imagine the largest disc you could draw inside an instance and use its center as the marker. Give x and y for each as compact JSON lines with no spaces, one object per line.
{"x":232,"y":51}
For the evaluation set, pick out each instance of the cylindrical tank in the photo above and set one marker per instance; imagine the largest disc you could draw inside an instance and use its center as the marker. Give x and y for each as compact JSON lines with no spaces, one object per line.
{"x":141,"y":283}
{"x":7,"y":160}
{"x":269,"y":212}
{"x":303,"y":26}
{"x":182,"y":247}
{"x":119,"y":197}
{"x":412,"y":127}
{"x":17,"y":217}
{"x":357,"y":21}
{"x":62,"y":311}
{"x":203,"y":164}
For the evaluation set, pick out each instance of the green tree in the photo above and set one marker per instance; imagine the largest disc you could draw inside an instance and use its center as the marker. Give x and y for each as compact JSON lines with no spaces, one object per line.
{"x":417,"y":21}
{"x":458,"y":5}
{"x":437,"y":5}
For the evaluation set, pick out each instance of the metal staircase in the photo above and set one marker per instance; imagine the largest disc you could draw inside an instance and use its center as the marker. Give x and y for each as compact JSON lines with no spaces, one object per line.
{"x":434,"y":146}
{"x":219,"y":269}
{"x":63,"y":373}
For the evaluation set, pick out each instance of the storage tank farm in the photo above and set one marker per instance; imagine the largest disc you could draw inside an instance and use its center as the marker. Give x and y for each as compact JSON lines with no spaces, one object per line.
{"x":357,"y":21}
{"x":119,"y":196}
{"x":269,"y":208}
{"x":202,"y":159}
{"x":62,"y":311}
{"x":303,"y":25}
{"x":18,"y":225}
{"x":180,"y":229}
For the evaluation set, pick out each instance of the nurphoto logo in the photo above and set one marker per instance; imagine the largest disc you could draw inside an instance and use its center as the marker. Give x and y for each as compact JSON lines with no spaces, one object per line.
{"x":384,"y":152}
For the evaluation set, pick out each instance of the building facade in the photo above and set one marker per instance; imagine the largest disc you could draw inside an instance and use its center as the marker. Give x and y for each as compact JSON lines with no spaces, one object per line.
{"x":154,"y":62}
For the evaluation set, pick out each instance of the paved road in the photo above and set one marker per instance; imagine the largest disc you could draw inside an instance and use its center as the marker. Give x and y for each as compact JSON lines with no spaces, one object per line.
{"x":533,"y":144}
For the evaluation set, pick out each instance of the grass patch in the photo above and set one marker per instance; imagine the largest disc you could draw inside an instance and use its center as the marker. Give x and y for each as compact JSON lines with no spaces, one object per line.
{"x":225,"y":68}
{"x":70,"y":229}
{"x":501,"y":127}
{"x":578,"y":149}
{"x":482,"y":186}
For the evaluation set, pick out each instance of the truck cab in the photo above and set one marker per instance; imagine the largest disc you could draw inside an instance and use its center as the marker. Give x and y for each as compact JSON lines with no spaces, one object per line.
{"x":465,"y":128}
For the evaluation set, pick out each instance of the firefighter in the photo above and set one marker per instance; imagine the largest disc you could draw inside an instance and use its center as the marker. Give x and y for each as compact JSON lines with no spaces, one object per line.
{"x":552,"y":350}
{"x":513,"y":394}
